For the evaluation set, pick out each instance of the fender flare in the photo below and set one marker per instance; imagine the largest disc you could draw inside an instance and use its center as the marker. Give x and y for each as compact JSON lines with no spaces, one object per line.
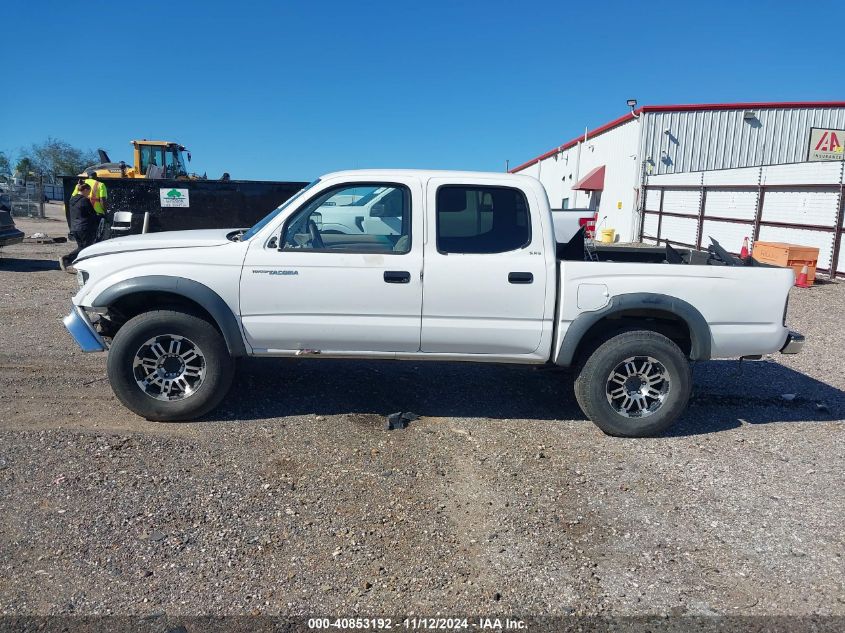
{"x":198,"y":293}
{"x":699,"y":329}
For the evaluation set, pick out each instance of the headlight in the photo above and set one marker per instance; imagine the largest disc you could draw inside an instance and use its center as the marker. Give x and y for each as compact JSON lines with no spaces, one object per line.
{"x":81,"y":278}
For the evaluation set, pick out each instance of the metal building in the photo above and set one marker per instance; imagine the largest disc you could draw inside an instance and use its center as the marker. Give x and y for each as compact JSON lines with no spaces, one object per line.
{"x":682,"y":150}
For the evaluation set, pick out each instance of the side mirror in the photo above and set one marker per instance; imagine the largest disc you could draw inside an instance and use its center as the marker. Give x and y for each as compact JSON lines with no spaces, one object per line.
{"x":381,"y":210}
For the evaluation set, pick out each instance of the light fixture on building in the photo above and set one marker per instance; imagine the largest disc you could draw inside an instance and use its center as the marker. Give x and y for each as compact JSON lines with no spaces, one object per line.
{"x":749,"y":115}
{"x":632,"y":103}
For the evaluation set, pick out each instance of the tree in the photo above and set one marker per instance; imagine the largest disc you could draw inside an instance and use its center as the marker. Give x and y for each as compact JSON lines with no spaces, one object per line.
{"x":24,"y":167}
{"x":55,"y":158}
{"x":5,"y":165}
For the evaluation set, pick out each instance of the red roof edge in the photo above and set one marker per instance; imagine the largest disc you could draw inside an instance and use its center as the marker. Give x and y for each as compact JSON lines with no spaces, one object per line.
{"x":752,"y":105}
{"x":691,"y":107}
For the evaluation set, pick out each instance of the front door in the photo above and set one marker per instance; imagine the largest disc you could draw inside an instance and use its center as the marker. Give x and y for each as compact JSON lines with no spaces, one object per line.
{"x":485,"y":273}
{"x":351,"y":285}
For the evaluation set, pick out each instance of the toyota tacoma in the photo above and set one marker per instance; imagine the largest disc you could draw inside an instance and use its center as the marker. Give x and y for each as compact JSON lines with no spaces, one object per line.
{"x":421,"y":265}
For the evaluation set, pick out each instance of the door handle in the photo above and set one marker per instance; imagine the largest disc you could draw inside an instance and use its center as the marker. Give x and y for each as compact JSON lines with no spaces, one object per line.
{"x":521,"y":278}
{"x":397,"y":276}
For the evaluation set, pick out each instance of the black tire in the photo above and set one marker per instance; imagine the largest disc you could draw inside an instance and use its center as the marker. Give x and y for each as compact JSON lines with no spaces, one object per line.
{"x":597,"y":377}
{"x":217,"y":364}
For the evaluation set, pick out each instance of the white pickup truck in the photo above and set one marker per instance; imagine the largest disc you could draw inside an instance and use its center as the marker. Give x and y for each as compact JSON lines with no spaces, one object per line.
{"x":463,"y":267}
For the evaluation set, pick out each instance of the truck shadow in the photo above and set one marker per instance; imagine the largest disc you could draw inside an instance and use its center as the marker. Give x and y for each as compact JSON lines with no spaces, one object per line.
{"x":727,"y":395}
{"x":12,"y":264}
{"x":722,"y":399}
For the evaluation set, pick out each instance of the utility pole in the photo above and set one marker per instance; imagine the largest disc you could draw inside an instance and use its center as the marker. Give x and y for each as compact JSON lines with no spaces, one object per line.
{"x":40,"y":194}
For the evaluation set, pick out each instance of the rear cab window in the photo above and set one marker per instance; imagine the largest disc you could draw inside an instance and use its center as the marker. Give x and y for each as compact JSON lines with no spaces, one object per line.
{"x":479,"y":219}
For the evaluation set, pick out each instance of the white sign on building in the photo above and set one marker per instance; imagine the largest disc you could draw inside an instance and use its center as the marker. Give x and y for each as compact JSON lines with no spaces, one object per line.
{"x":826,"y":144}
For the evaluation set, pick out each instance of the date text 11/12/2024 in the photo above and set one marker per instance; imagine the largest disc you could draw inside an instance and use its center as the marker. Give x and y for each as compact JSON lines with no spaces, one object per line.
{"x":418,"y":623}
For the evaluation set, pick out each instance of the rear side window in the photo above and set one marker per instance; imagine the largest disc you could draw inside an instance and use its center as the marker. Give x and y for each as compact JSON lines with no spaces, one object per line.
{"x":472,"y":219}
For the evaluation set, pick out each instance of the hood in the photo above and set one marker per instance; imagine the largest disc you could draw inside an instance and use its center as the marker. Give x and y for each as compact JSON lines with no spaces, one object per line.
{"x":153,"y":241}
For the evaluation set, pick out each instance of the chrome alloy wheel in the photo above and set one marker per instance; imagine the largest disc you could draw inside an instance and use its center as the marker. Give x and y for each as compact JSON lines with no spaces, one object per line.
{"x":169,"y":367}
{"x":637,"y":387}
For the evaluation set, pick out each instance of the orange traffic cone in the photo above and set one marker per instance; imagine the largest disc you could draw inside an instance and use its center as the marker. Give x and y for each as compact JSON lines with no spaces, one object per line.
{"x":801,"y":282}
{"x":744,"y":252}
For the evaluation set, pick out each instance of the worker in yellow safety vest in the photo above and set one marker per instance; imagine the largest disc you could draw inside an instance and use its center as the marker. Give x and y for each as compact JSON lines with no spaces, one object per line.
{"x":99,"y":200}
{"x":99,"y":195}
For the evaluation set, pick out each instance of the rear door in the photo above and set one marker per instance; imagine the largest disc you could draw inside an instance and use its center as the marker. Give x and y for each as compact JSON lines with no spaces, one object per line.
{"x":484,"y":289}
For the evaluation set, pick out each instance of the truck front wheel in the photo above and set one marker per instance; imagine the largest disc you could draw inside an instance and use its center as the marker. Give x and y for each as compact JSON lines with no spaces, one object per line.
{"x":169,"y":365}
{"x":635,"y":384}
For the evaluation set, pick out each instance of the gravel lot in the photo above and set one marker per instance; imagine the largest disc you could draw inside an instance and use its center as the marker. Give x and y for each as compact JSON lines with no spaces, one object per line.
{"x":502,"y":498}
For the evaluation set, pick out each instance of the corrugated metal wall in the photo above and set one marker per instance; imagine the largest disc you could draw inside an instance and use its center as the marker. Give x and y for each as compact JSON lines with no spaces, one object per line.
{"x":719,"y":139}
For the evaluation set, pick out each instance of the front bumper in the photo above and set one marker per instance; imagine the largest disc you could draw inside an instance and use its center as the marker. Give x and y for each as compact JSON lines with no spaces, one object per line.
{"x":794,"y":343}
{"x":83,"y":332}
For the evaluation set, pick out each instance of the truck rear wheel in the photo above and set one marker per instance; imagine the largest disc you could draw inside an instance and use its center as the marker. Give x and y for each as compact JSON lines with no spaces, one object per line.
{"x":169,"y":365}
{"x":635,"y":384}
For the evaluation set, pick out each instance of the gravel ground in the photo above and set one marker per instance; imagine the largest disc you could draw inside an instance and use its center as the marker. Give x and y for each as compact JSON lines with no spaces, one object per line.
{"x":502,"y":498}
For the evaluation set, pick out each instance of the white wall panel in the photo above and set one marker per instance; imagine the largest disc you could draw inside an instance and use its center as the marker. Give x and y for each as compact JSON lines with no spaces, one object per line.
{"x":730,"y":203}
{"x":728,"y":234}
{"x":740,"y":176}
{"x":820,"y":239}
{"x":801,"y":207}
{"x":652,"y":199}
{"x":691,"y":179}
{"x":615,"y":149}
{"x":817,"y":173}
{"x":841,"y":266}
{"x":685,"y":201}
{"x":679,"y":229}
{"x":650,"y":227}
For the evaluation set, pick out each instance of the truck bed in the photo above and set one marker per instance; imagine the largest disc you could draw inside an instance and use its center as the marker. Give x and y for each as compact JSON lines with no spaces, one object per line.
{"x":580,"y":249}
{"x":742,"y":300}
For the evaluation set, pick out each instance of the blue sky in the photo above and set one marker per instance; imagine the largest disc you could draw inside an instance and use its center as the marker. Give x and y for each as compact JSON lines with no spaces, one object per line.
{"x":290,"y":90}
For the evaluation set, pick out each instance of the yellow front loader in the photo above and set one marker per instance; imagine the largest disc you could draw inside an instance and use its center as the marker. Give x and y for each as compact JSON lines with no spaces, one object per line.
{"x":151,"y":159}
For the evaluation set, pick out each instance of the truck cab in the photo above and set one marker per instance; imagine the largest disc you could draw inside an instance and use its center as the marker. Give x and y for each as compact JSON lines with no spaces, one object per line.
{"x":159,"y":159}
{"x":413,"y":277}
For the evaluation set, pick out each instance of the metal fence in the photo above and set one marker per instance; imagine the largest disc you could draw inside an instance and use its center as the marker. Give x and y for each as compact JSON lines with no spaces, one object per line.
{"x":51,"y":192}
{"x":800,"y":203}
{"x":23,"y":201}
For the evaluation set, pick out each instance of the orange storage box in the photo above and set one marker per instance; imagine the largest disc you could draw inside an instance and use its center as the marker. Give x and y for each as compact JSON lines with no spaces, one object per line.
{"x":793,"y":256}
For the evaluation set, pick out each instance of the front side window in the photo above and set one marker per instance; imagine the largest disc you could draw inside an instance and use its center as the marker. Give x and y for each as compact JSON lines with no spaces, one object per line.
{"x":473,"y":219}
{"x":359,"y":218}
{"x":175,"y":164}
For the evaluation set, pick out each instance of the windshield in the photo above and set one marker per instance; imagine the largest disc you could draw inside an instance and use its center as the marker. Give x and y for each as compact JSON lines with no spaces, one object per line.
{"x":269,"y":217}
{"x":175,"y":163}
